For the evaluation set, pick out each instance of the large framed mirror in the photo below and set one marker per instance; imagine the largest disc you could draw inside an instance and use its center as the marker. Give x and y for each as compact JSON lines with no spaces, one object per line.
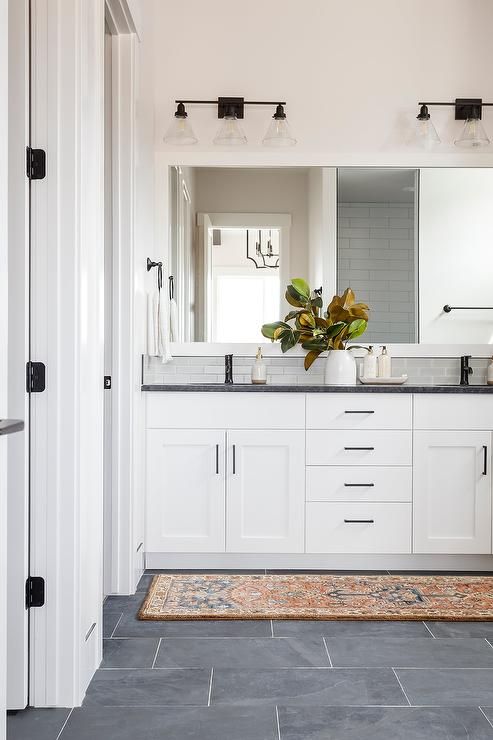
{"x":408,"y":241}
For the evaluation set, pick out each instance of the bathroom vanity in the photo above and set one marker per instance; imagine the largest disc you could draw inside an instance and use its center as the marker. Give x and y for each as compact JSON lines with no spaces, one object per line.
{"x":308,"y":476}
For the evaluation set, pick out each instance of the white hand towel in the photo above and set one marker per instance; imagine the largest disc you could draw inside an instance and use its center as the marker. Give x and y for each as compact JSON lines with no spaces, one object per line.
{"x":158,"y":326}
{"x":173,"y":315}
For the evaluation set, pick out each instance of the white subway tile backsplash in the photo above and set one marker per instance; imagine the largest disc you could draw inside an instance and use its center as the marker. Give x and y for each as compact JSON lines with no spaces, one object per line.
{"x":289,"y":370}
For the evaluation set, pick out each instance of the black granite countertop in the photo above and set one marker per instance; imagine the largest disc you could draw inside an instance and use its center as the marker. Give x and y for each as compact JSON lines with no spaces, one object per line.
{"x":9,"y":426}
{"x":360,"y":388}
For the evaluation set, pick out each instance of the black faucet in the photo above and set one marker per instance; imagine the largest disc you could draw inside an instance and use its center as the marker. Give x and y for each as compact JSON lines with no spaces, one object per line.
{"x":228,"y":368}
{"x":465,"y":370}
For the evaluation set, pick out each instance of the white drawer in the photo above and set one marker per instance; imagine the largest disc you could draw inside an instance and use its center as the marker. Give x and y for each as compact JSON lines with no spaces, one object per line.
{"x":458,"y":411}
{"x":358,"y":483}
{"x":358,"y":411}
{"x":351,"y":447}
{"x":358,"y":528}
{"x":222,"y":410}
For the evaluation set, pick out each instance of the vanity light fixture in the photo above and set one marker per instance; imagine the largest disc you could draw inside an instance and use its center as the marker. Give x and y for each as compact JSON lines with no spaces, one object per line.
{"x":264,"y":257}
{"x":180,"y":131}
{"x":230,"y":111}
{"x":468,"y":110}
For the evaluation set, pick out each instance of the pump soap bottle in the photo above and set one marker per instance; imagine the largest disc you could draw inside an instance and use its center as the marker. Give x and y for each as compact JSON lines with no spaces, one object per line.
{"x":259,"y":369}
{"x":384,"y":364}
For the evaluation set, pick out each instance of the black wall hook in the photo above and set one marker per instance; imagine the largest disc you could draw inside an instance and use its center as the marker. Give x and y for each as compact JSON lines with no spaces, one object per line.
{"x":159,"y":265}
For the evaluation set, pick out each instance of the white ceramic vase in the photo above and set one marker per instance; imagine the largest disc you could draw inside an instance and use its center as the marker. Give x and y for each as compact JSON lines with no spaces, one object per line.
{"x":340,"y":368}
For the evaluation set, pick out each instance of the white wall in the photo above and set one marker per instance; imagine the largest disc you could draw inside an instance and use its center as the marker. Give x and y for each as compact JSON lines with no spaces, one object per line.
{"x":260,"y":191}
{"x":351,"y":72}
{"x":4,"y":45}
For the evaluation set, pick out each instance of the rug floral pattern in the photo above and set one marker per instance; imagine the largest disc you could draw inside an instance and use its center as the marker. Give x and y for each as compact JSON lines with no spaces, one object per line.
{"x":206,"y":596}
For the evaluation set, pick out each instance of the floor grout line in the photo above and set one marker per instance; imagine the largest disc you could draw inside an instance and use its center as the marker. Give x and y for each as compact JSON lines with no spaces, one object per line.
{"x":327,"y":651}
{"x":64,"y":724}
{"x":486,"y":717}
{"x":210,"y":687}
{"x":489,"y":643}
{"x":402,"y":687}
{"x":116,"y":625}
{"x":278,"y":724}
{"x":156,"y":653}
{"x":429,"y":630}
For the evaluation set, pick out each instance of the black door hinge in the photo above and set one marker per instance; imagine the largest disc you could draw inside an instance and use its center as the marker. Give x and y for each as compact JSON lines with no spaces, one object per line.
{"x":35,"y":592}
{"x":107,"y":382}
{"x":35,"y":163}
{"x":35,"y":377}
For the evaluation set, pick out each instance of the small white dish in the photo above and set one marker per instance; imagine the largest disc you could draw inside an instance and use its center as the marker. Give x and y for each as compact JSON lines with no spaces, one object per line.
{"x":384,"y":381}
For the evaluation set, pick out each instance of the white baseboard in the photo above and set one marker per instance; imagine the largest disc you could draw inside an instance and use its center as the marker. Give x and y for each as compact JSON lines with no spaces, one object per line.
{"x":239,"y":561}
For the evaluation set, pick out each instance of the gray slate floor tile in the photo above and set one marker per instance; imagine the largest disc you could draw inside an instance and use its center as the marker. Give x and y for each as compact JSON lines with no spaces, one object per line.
{"x":489,"y":713}
{"x":461,"y":629}
{"x":349,"y":628}
{"x":411,"y":653}
{"x":242,"y":652}
{"x":145,"y":582}
{"x":448,"y":687}
{"x":211,"y":723}
{"x":309,"y":686}
{"x":389,"y":723}
{"x":149,"y":688}
{"x":38,"y":724}
{"x":130,"y":626}
{"x":110,"y":620}
{"x":136,"y":652}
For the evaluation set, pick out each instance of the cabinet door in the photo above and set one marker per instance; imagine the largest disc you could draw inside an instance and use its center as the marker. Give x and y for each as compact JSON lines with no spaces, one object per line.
{"x":265,"y":491}
{"x":452,"y":492}
{"x":185,"y":490}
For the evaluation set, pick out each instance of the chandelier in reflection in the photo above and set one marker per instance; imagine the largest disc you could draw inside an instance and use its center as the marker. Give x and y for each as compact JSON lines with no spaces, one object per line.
{"x":260,"y":248}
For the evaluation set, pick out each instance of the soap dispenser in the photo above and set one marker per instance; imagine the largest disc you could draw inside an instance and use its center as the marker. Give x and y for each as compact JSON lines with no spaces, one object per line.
{"x":259,"y":369}
{"x":384,"y":364}
{"x":370,"y":364}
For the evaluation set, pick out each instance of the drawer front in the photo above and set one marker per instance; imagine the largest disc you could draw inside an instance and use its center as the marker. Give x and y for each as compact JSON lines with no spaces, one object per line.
{"x":353,"y":447}
{"x":216,"y":410}
{"x":358,"y":483}
{"x":460,"y":411}
{"x":358,"y":528}
{"x":358,"y":411}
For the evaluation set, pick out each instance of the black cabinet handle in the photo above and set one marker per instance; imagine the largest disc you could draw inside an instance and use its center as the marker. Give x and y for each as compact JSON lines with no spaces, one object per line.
{"x":359,"y":412}
{"x":359,"y":521}
{"x":234,"y":459}
{"x":217,"y":459}
{"x":359,"y":485}
{"x":359,"y":448}
{"x":485,"y":460}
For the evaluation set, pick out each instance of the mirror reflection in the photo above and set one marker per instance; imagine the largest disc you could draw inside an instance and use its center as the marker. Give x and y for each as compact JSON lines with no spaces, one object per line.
{"x":407,"y":241}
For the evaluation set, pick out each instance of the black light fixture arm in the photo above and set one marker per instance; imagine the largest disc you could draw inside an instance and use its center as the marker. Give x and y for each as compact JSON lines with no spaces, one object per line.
{"x":465,"y":108}
{"x":245,"y":102}
{"x":230,"y":106}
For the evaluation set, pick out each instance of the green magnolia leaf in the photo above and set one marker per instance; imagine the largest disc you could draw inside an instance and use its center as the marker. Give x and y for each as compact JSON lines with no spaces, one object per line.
{"x":301,"y":286}
{"x":333,"y":330}
{"x":268,"y":330}
{"x":288,"y":341}
{"x":292,"y":315}
{"x":356,"y":328}
{"x":318,"y":344}
{"x":294,"y":298}
{"x":317,"y":301}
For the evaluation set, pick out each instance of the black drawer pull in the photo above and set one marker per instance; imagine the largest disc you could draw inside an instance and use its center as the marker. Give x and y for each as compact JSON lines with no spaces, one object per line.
{"x":359,"y":521}
{"x":234,"y":459}
{"x":217,"y":459}
{"x":359,"y":448}
{"x":359,"y":412}
{"x":485,"y":460}
{"x":359,"y":485}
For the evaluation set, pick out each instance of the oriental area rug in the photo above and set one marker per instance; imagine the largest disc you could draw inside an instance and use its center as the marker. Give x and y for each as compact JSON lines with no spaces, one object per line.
{"x":387,"y":597}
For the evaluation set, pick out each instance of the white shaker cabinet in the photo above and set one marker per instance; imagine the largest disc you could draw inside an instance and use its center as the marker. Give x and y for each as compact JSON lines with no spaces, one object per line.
{"x":452,"y":492}
{"x":185,"y":490}
{"x":265,"y":491}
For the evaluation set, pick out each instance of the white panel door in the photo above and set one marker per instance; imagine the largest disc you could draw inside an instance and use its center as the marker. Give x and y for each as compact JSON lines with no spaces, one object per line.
{"x":265,"y":491}
{"x":185,"y":490}
{"x":452,"y":492}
